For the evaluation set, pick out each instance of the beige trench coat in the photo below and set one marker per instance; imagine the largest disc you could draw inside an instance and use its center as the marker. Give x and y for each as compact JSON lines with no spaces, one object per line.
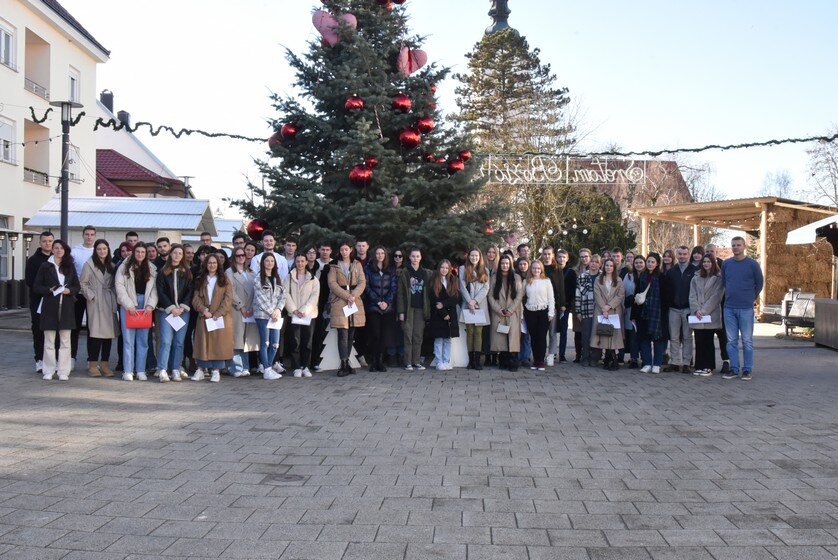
{"x":614,"y":300}
{"x":218,"y":344}
{"x":98,"y":288}
{"x":303,"y":299}
{"x":706,"y":296}
{"x":245,"y":335}
{"x":510,"y":342}
{"x":338,"y":299}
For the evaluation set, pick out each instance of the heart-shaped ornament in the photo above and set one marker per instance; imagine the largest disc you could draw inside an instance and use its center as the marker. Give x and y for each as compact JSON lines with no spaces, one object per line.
{"x":329,"y":25}
{"x":411,"y":60}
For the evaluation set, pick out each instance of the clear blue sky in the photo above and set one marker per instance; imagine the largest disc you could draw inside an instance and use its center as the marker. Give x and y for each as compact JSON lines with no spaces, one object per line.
{"x":647,"y":74}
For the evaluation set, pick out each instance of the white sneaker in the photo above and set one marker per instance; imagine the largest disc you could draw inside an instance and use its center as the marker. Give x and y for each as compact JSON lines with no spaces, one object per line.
{"x":215,"y":377}
{"x":550,"y":359}
{"x":39,"y":366}
{"x":645,"y":369}
{"x":277,"y":367}
{"x":141,"y":376}
{"x":317,"y":368}
{"x":440,"y":367}
{"x":63,"y":376}
{"x":298,"y":372}
{"x":198,"y":375}
{"x":176,"y":375}
{"x":408,"y":368}
{"x":271,"y":375}
{"x":48,"y":376}
{"x":164,"y":378}
{"x":128,"y":376}
{"x":237,"y":373}
{"x":419,"y":367}
{"x":306,"y":372}
{"x":656,"y":369}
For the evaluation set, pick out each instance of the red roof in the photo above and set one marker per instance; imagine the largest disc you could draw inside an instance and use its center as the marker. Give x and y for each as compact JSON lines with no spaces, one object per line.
{"x":115,"y":167}
{"x":106,"y":188}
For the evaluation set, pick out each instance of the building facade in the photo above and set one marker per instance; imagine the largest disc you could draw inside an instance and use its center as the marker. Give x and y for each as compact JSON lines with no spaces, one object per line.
{"x":45,"y":55}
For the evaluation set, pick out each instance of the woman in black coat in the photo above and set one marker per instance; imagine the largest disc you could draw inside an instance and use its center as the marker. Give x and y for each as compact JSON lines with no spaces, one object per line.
{"x":58,"y":284}
{"x":444,"y":325}
{"x":380,"y":303}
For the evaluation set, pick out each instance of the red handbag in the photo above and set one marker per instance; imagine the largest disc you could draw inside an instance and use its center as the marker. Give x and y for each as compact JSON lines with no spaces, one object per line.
{"x":141,"y":320}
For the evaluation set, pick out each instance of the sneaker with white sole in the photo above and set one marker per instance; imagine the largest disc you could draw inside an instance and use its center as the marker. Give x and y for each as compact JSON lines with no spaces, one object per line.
{"x":550,"y":359}
{"x":161,"y":374}
{"x":48,"y":376}
{"x":198,"y":375}
{"x":306,"y":372}
{"x":127,"y":376}
{"x":408,"y":368}
{"x":645,"y":369}
{"x":176,"y":376}
{"x":215,"y":377}
{"x":418,"y":367}
{"x":270,"y":375}
{"x":730,"y":375}
{"x":706,"y":373}
{"x":141,"y":376}
{"x":63,"y":376}
{"x":298,"y":372}
{"x":277,"y":367}
{"x":656,"y":369}
{"x":318,"y":368}
{"x":39,"y":366}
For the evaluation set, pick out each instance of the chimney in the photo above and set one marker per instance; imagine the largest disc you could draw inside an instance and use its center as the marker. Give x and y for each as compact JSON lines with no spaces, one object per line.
{"x":124,"y":117}
{"x":106,"y":97}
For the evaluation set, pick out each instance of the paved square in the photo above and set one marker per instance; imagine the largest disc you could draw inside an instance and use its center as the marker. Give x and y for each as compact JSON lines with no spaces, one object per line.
{"x":573,"y":464}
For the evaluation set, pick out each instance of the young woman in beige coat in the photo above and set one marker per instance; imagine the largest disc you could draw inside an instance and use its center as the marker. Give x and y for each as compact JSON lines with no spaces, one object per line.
{"x":97,"y":286}
{"x":302,"y":292}
{"x":347,"y":282}
{"x":506,"y":292}
{"x":609,"y":296}
{"x":213,"y":299}
{"x":706,"y":291}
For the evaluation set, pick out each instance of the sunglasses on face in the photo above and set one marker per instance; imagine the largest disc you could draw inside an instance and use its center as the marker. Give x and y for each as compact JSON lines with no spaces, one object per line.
{"x":398,"y":256}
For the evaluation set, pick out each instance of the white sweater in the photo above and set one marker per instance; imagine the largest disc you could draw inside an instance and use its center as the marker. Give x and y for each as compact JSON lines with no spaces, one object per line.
{"x":540,"y":296}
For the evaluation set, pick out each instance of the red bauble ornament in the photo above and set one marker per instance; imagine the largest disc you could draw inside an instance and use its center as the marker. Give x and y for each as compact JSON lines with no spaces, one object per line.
{"x":409,"y":138}
{"x":371,"y":161}
{"x":402,"y":103}
{"x":490,"y":230}
{"x":360,"y":176}
{"x":429,"y":157}
{"x":388,"y":4}
{"x":275,"y":140}
{"x":288,"y":131}
{"x":440,"y":159}
{"x":354,"y":103}
{"x":425,"y":125}
{"x":256,"y":229}
{"x":465,"y":155}
{"x":456,"y":165}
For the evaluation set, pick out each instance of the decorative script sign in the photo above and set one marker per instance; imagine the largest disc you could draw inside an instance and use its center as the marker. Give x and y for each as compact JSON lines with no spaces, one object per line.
{"x":560,"y":170}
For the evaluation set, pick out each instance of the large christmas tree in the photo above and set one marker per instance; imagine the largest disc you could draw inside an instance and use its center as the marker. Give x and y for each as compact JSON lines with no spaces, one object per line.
{"x":362,"y":150}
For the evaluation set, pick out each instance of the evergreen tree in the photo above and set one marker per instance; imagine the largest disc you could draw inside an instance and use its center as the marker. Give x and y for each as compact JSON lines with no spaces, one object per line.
{"x":413,"y":196}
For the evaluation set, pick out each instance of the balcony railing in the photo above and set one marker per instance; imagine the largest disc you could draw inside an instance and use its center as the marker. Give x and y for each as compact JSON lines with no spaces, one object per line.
{"x":34,"y":176}
{"x":35,"y":88}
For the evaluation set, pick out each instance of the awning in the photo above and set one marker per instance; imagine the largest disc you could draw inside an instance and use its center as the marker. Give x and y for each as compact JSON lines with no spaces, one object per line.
{"x":806,"y":234}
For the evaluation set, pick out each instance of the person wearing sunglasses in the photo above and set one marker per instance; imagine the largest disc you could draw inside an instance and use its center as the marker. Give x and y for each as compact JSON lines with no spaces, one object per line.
{"x":245,"y":331}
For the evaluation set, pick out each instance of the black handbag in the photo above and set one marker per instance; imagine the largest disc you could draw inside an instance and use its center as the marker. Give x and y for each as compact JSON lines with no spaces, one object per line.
{"x":604,"y":329}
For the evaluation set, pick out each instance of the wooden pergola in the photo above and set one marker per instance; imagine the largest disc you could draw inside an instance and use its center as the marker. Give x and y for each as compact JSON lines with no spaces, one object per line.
{"x":743,"y":214}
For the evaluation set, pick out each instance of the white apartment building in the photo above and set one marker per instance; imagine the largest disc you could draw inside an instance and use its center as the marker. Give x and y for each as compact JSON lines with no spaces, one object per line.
{"x":45,"y":55}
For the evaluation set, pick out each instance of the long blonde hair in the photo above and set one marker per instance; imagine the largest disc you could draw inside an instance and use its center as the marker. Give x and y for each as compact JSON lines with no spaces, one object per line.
{"x":531,"y":277}
{"x":476,"y":273}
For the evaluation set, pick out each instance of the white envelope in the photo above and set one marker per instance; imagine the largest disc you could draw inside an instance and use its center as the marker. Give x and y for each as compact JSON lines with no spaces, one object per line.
{"x":58,"y":291}
{"x":503,"y":329}
{"x":350,"y":309}
{"x":693,"y":320}
{"x":276,"y":325}
{"x":476,"y":317}
{"x":214,"y":324}
{"x":300,"y":320}
{"x":176,"y":322}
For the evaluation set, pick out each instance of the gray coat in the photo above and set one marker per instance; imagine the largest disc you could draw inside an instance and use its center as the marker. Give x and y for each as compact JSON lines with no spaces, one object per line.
{"x":245,"y":335}
{"x":98,"y":288}
{"x":706,"y":296}
{"x":477,"y":291}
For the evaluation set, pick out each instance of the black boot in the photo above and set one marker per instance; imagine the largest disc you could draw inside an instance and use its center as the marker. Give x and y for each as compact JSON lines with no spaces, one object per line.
{"x":470,"y":361}
{"x":381,"y":367}
{"x":344,"y":367}
{"x":477,"y":364}
{"x":513,"y":362}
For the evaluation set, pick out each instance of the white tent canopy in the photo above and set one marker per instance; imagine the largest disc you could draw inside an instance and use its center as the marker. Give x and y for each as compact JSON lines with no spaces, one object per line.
{"x":806,"y":234}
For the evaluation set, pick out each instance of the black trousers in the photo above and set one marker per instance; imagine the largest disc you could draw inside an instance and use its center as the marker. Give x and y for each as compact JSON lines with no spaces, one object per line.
{"x":380,"y":331}
{"x":537,"y":325}
{"x":318,"y":337}
{"x":98,"y":349}
{"x":361,"y":343}
{"x":722,"y":334}
{"x":80,"y":308}
{"x":705,"y":353}
{"x":299,"y":345}
{"x":37,"y":333}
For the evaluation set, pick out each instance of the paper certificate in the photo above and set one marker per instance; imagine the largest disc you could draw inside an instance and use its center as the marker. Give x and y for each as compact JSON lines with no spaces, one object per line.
{"x":476,"y":317}
{"x":350,"y":310}
{"x":58,"y":291}
{"x":250,"y":319}
{"x":613,"y":320}
{"x":276,"y":325}
{"x":693,"y":320}
{"x":214,"y":324}
{"x":300,"y":320}
{"x":176,"y":322}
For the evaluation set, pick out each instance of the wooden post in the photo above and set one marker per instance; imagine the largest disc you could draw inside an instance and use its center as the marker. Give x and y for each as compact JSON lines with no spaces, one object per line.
{"x":644,"y":235}
{"x":763,"y":255}
{"x":696,"y":234}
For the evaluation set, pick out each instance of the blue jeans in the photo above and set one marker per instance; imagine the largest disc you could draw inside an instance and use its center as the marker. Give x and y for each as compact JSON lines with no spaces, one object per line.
{"x":645,"y":343}
{"x":170,"y":353}
{"x":268,"y":343}
{"x":442,"y":350}
{"x":525,"y":355}
{"x":239,"y":363}
{"x":740,"y":322}
{"x":134,"y":342}
{"x":211,"y":364}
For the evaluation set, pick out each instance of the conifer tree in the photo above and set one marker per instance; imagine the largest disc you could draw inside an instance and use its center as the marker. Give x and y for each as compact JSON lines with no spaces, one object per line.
{"x":344,"y":118}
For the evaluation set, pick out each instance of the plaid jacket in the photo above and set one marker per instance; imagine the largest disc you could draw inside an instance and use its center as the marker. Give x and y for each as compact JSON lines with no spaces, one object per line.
{"x":584,"y":304}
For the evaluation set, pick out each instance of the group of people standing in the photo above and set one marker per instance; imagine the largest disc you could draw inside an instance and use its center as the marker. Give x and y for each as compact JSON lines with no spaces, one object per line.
{"x":178,"y":311}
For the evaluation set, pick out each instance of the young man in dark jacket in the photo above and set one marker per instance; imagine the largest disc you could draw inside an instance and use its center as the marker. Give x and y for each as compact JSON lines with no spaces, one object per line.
{"x":676,"y":287}
{"x":554,"y":272}
{"x":34,"y":263}
{"x":562,"y":320}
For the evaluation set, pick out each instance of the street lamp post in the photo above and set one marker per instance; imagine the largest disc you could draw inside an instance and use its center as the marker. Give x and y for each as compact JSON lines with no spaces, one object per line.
{"x":66,"y":116}
{"x":13,"y":237}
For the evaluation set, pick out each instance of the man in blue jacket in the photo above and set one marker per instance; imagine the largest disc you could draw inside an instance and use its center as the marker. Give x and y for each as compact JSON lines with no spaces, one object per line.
{"x":743,"y":281}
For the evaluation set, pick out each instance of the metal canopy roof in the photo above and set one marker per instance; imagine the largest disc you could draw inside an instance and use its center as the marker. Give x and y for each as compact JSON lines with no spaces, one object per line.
{"x":741,"y":213}
{"x":140,"y":214}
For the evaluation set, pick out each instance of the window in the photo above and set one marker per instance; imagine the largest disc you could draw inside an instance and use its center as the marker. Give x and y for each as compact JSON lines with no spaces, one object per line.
{"x":7,"y":47}
{"x":7,"y":140}
{"x":75,"y":85}
{"x":74,"y":164}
